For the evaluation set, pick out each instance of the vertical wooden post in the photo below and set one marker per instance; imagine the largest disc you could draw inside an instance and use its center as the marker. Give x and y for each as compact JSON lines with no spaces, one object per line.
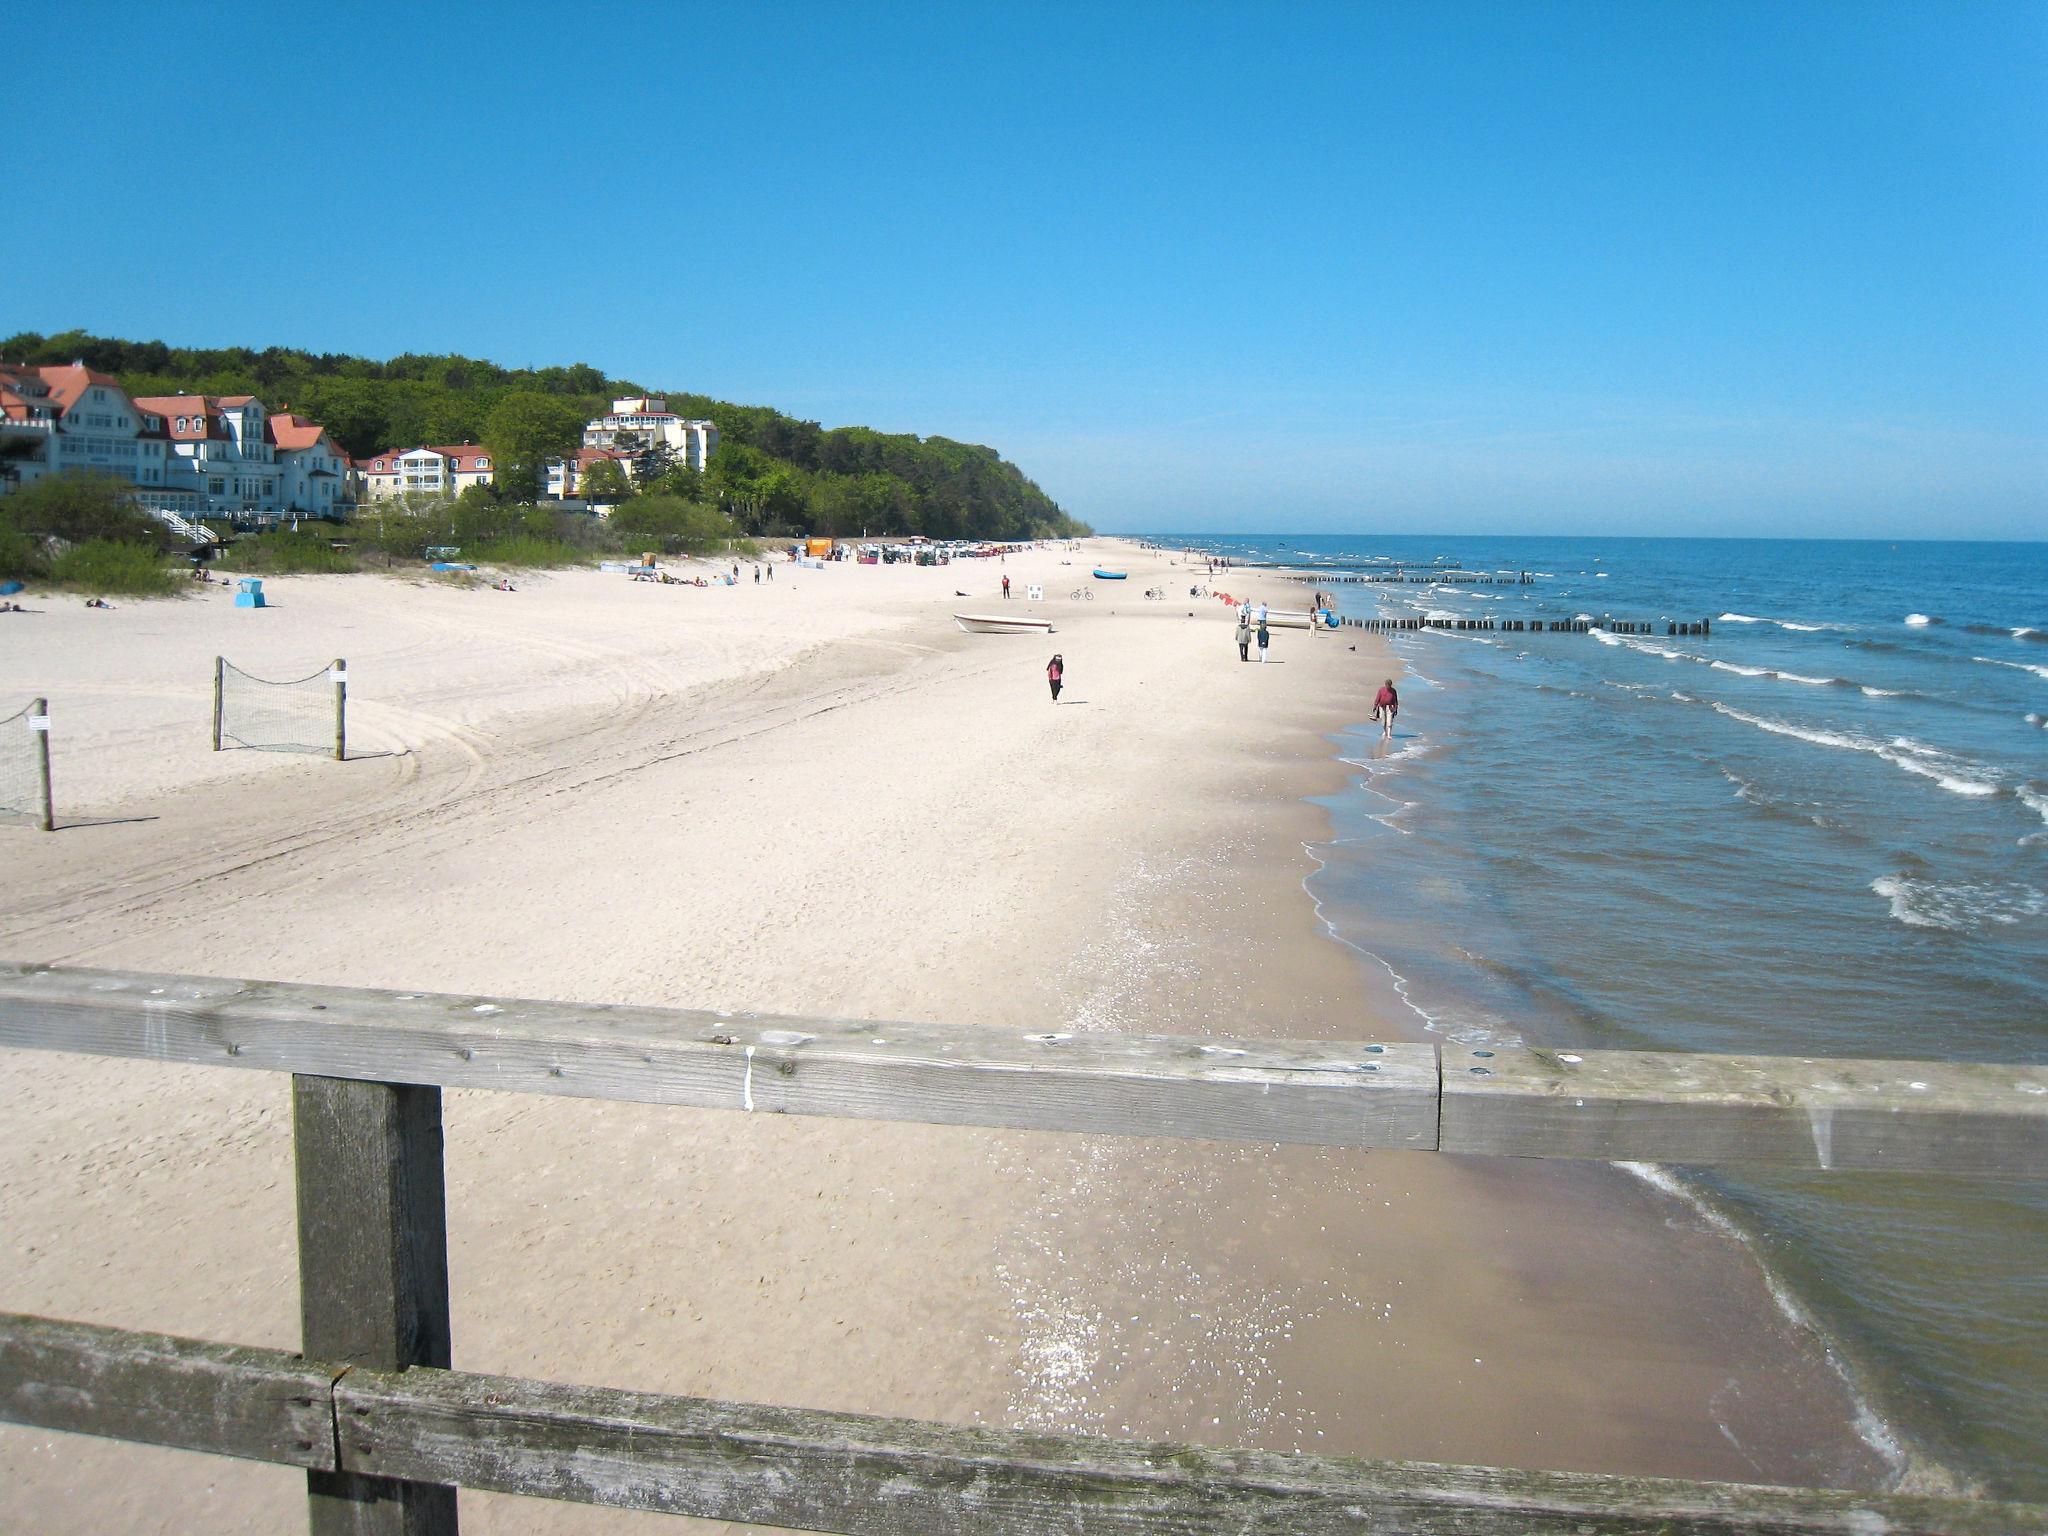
{"x":220,"y":665}
{"x":373,"y":1270}
{"x":39,"y":727}
{"x":340,"y":675}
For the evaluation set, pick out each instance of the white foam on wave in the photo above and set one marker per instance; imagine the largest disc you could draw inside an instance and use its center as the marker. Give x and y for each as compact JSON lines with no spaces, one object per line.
{"x":1901,"y":752}
{"x":1919,"y":620}
{"x":1791,"y":624}
{"x":1958,"y":906}
{"x":2017,"y":666}
{"x":1884,"y":693}
{"x":1870,"y":1424}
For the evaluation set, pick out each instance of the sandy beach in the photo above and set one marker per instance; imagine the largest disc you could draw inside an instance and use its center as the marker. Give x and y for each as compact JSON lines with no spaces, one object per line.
{"x":817,"y":795}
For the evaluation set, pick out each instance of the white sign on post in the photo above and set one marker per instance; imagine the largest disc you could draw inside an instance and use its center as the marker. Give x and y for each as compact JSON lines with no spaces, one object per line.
{"x":337,"y":674}
{"x":1035,"y":593}
{"x":39,"y":722}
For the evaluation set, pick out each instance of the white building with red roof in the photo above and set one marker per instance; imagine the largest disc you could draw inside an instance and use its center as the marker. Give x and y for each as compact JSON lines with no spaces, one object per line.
{"x":69,"y":416}
{"x":563,"y":478}
{"x":426,"y":470}
{"x":248,"y":464}
{"x":639,"y":422}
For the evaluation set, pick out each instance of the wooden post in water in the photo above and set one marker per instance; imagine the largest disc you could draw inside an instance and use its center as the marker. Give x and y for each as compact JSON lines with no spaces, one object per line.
{"x":340,"y":676}
{"x":373,"y":1271}
{"x":220,"y":666}
{"x":39,"y":727}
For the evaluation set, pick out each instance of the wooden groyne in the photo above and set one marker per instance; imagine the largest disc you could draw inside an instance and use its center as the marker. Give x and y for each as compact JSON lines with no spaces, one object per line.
{"x":1398,"y":576}
{"x":1671,"y":628}
{"x":387,"y":1431}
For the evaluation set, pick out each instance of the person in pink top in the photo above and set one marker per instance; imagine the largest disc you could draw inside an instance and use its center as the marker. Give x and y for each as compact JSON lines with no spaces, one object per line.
{"x":1385,"y":705}
{"x":1054,"y":671}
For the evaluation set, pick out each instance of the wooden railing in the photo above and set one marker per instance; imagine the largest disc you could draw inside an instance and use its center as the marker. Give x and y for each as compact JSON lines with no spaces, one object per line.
{"x":386,"y":1431}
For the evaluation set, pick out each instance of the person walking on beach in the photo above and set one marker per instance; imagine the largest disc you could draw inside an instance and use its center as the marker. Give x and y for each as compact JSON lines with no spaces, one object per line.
{"x":1264,"y":637}
{"x":1054,"y":671}
{"x":1244,"y":635}
{"x":1385,"y":705}
{"x":1006,"y":589}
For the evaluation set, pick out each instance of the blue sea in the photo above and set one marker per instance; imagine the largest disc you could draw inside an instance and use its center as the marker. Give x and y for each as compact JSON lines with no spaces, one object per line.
{"x":1821,"y":829}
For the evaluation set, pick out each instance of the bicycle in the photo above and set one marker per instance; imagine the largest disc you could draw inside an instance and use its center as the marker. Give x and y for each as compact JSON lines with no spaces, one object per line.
{"x":1155,"y":594}
{"x":1082,"y":594}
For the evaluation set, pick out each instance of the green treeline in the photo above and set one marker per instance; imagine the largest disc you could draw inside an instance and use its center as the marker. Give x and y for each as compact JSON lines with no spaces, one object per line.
{"x":772,"y":473}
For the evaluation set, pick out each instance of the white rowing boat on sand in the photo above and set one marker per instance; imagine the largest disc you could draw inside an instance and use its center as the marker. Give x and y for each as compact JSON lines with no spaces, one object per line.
{"x":989,"y":624}
{"x":1289,"y":618}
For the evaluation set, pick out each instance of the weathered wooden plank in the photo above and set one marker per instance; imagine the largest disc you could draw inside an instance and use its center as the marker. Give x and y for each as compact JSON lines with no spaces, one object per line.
{"x":1923,"y":1116}
{"x":373,"y":1271}
{"x":1319,"y":1093}
{"x":845,"y":1472}
{"x":225,"y":1399}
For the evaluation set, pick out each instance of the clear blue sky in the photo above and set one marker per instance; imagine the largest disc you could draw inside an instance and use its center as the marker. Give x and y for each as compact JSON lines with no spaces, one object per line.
{"x":1644,"y":268}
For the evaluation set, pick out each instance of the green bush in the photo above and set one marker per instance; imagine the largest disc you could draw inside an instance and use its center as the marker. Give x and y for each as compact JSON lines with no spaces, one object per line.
{"x":19,"y":554}
{"x":79,"y":506}
{"x":524,"y":549}
{"x":671,"y":526}
{"x":107,"y":565}
{"x":287,"y":553}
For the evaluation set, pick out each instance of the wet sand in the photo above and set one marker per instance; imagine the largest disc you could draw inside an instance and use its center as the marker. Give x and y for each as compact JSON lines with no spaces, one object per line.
{"x":819,"y":796}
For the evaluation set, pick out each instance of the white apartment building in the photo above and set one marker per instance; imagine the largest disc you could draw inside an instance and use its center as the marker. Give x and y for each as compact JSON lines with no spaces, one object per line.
{"x":195,"y":455}
{"x":640,"y":421}
{"x":426,"y":470}
{"x":70,"y":417}
{"x":563,"y":478}
{"x":247,"y":464}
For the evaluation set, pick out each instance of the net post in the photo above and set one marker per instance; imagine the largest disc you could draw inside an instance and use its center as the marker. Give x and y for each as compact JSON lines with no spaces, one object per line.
{"x":219,"y":686}
{"x":40,"y":710}
{"x":341,"y":709}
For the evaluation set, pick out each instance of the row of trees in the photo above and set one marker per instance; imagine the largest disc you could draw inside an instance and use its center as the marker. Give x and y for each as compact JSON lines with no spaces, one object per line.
{"x":772,"y":473}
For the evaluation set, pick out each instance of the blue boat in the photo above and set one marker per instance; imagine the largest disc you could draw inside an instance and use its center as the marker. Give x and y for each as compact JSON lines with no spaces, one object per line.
{"x":1102,"y":575}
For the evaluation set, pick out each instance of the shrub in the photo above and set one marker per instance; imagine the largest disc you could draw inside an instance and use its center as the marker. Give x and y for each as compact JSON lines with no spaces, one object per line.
{"x":109,"y":565}
{"x":287,"y":553}
{"x":78,"y":507}
{"x":19,"y":555}
{"x":524,"y":549}
{"x":670,"y":525}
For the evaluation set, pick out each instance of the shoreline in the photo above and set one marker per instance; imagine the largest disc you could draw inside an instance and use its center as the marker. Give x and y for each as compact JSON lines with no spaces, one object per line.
{"x":1136,"y":859}
{"x":1914,"y":1462}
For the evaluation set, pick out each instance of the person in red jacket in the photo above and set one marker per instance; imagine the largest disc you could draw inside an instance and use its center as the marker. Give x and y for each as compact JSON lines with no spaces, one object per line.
{"x":1385,"y":705}
{"x":1054,"y":671}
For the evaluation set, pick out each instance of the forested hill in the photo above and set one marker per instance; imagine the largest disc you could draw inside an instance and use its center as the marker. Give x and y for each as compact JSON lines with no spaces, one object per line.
{"x":775,"y":473}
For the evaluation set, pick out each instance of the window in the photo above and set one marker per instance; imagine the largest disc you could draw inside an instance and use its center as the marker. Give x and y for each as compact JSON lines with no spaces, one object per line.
{"x":483,"y":463}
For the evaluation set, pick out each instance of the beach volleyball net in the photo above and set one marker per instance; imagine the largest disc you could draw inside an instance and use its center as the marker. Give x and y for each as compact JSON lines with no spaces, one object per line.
{"x":304,"y":714}
{"x":25,"y":764}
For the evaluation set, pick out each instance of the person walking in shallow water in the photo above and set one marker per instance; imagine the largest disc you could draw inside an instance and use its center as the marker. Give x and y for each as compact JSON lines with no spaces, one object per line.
{"x":1055,"y":670}
{"x":1244,"y":635}
{"x":1385,"y":705}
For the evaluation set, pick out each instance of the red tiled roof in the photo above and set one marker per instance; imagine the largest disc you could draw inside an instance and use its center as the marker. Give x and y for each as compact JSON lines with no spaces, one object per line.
{"x":199,"y":412}
{"x":289,"y":430}
{"x":588,"y":456}
{"x":465,"y":457}
{"x":69,"y":381}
